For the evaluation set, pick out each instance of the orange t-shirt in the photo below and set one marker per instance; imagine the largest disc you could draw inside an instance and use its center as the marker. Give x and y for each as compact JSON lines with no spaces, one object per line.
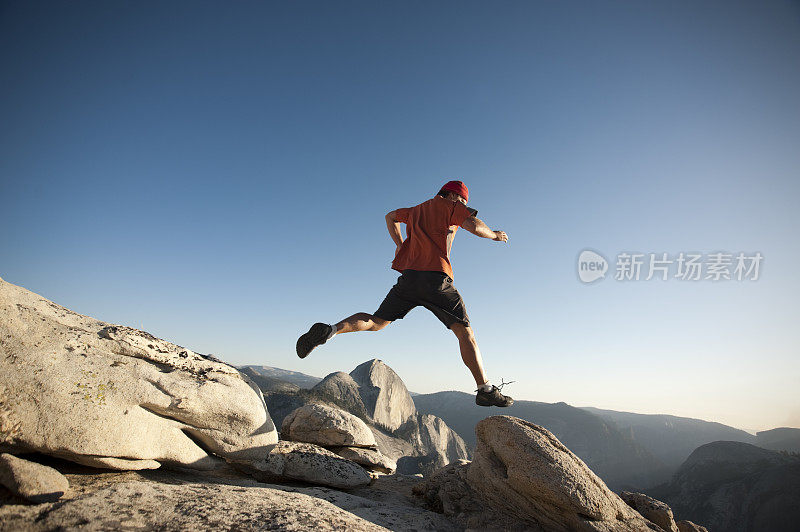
{"x":430,"y":229}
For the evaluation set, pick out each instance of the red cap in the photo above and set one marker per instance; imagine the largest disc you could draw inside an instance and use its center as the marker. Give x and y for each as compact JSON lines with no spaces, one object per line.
{"x":458,"y":187}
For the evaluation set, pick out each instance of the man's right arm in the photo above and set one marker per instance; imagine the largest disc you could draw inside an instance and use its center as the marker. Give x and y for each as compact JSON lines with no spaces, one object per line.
{"x":393,"y":225}
{"x":475,"y":225}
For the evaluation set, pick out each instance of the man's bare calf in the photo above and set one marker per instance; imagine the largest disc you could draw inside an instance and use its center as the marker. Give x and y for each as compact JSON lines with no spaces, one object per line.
{"x":361,"y":321}
{"x":470,"y":353}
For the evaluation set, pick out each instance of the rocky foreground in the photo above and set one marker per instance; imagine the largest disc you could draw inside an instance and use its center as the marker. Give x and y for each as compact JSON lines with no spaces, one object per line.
{"x":220,"y":500}
{"x":104,"y":427}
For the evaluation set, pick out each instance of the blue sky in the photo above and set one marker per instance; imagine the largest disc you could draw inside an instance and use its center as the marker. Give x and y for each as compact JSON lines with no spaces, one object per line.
{"x":217,"y":174}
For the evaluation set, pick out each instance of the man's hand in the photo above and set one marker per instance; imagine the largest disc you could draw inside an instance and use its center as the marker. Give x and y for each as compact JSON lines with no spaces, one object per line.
{"x":501,"y":236}
{"x":397,"y":250}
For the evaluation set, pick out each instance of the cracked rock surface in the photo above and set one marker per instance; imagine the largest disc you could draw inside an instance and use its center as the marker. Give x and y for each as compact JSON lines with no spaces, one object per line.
{"x":111,"y":396}
{"x":217,"y":500}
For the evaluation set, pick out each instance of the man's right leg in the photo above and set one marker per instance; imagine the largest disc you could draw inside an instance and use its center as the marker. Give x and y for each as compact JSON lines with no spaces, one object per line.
{"x":361,"y":321}
{"x":319,"y":333}
{"x":394,"y":307}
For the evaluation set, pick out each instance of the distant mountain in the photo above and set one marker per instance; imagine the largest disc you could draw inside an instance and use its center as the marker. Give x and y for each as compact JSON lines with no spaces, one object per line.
{"x":671,"y":439}
{"x":736,"y":487}
{"x":267,"y":383}
{"x":294,"y":377}
{"x":781,"y":439}
{"x":620,"y":461}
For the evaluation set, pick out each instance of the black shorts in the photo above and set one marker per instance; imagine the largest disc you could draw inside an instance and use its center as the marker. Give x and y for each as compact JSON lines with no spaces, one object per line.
{"x":432,"y":290}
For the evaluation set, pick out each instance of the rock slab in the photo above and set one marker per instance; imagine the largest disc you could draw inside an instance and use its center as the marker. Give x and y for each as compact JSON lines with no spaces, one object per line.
{"x":326,"y":426}
{"x":651,"y":509}
{"x":524,"y":467}
{"x":309,"y":463}
{"x":522,"y":471}
{"x":31,"y":481}
{"x":688,"y":526}
{"x":111,"y":396}
{"x":368,"y":458}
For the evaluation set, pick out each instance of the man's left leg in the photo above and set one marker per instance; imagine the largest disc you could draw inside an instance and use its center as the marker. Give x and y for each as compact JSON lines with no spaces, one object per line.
{"x":470,"y":353}
{"x":488,"y":395}
{"x":446,"y":303}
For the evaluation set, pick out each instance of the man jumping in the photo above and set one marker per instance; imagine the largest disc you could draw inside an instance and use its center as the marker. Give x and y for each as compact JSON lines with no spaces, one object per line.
{"x":423,"y":259}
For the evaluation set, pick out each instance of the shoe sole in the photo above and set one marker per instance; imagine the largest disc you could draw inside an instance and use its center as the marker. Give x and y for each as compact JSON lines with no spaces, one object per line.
{"x":315,"y":336}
